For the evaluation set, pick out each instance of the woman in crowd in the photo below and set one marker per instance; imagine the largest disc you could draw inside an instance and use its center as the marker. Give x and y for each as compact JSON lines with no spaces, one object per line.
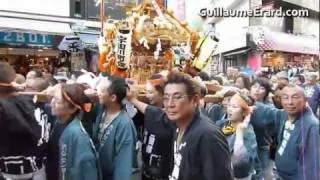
{"x":154,"y":96}
{"x":72,"y":154}
{"x":240,"y":136}
{"x":243,"y":82}
{"x":260,"y":90}
{"x":154,"y":90}
{"x":218,"y":112}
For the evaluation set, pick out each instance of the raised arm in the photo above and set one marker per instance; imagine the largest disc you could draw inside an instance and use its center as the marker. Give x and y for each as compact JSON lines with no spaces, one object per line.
{"x":265,"y":115}
{"x":241,"y":128}
{"x":141,"y":106}
{"x":132,"y":96}
{"x":244,"y":150}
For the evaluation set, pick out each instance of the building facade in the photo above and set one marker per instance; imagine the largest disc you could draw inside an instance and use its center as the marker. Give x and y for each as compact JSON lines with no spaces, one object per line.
{"x":30,"y":32}
{"x":285,"y":41}
{"x":233,"y":46}
{"x":277,"y":36}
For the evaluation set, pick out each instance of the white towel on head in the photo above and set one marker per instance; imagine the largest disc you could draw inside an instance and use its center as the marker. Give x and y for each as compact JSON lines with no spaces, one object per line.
{"x":88,"y":78}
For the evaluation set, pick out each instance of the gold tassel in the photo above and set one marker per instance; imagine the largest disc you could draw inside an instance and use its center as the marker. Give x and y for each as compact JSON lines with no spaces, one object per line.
{"x":228,"y":129}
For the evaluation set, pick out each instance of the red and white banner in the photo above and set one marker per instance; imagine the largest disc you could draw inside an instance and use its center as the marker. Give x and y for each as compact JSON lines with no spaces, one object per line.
{"x":268,"y":40}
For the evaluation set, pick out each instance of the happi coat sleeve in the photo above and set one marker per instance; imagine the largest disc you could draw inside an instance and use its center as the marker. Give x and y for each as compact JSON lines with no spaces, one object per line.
{"x":268,"y":116}
{"x":310,"y":155}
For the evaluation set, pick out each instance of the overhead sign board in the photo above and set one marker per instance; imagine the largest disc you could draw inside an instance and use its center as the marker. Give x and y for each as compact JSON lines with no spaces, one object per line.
{"x":26,"y":38}
{"x":71,"y":44}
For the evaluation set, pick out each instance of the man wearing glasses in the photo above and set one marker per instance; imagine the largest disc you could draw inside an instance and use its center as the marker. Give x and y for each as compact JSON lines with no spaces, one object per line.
{"x":199,"y":149}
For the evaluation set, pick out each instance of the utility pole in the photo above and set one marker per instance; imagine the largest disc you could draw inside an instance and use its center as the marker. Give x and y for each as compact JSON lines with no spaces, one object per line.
{"x":102,"y":12}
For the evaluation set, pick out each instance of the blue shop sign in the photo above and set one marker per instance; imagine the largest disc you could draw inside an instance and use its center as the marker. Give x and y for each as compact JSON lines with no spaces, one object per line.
{"x":26,"y":38}
{"x":247,"y":71}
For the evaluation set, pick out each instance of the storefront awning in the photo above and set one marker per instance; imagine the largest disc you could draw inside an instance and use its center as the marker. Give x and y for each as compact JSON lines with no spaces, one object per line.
{"x":29,"y":52}
{"x":89,"y":39}
{"x":278,"y":41}
{"x":33,"y":26}
{"x":237,"y":52}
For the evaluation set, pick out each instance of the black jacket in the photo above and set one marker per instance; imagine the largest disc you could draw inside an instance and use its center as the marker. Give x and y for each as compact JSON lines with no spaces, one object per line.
{"x":24,"y":134}
{"x":157,"y":152}
{"x":204,"y":152}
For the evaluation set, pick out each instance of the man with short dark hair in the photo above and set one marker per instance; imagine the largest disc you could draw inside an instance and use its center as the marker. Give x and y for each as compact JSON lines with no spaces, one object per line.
{"x":8,"y":75}
{"x":200,"y":149}
{"x":299,"y":80}
{"x":218,"y":79}
{"x":298,"y":151}
{"x":24,"y":132}
{"x":282,"y":81}
{"x":204,"y":76}
{"x":114,"y":133}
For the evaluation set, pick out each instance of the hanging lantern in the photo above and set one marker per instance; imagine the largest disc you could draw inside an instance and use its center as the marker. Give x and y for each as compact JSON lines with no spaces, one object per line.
{"x":123,"y":48}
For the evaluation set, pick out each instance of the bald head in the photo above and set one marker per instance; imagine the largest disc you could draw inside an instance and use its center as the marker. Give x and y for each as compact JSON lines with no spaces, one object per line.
{"x":312,"y":78}
{"x":293,"y":100}
{"x":34,"y":74}
{"x":20,"y":79}
{"x":37,"y":84}
{"x":297,"y":89}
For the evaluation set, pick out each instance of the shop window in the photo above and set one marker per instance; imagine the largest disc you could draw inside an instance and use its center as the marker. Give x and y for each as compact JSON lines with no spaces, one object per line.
{"x":265,"y":2}
{"x":289,"y":24}
{"x":230,"y":61}
{"x":77,"y":9}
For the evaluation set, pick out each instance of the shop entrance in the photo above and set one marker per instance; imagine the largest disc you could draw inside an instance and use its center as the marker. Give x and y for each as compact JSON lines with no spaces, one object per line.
{"x":25,"y":59}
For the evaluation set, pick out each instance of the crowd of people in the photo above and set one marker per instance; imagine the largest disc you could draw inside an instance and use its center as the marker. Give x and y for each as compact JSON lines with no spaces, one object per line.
{"x":185,"y":128}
